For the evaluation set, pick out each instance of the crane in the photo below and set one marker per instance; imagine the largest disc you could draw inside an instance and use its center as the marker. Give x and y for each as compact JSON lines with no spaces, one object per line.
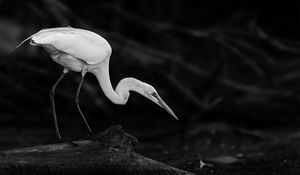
{"x":84,"y":51}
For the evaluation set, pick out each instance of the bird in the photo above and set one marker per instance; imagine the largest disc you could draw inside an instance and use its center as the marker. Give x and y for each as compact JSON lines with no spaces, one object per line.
{"x":85,"y":51}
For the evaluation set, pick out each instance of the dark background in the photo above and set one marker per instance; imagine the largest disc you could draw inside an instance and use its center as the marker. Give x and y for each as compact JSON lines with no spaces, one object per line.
{"x":216,"y":63}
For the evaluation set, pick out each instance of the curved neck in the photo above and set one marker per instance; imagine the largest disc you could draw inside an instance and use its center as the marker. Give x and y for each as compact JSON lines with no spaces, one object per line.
{"x":121,"y":94}
{"x":102,"y":74}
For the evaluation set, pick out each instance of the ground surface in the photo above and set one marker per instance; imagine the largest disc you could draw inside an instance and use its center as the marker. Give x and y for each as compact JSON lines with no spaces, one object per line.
{"x":213,"y":148}
{"x":223,"y":149}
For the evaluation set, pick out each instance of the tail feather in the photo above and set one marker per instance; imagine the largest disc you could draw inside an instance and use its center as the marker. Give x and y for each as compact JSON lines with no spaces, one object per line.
{"x":20,"y":44}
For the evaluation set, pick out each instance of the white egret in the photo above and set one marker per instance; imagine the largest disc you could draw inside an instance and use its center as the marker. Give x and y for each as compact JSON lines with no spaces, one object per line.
{"x":84,"y":51}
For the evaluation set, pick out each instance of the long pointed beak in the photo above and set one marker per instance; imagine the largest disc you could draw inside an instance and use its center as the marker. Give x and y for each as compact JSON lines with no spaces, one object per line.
{"x":162,"y":104}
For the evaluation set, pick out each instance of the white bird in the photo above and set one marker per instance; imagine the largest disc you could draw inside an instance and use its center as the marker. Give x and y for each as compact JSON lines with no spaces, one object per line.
{"x":84,"y":51}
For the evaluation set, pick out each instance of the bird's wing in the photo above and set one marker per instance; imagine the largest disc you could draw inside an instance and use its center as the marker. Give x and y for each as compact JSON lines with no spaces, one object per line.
{"x":82,"y":44}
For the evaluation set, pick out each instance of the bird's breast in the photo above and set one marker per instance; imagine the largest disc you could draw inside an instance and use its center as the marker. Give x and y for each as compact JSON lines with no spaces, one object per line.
{"x":69,"y":62}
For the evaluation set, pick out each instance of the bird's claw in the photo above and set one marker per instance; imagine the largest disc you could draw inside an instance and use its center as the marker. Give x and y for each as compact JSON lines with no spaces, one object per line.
{"x":91,"y":133}
{"x":70,"y":142}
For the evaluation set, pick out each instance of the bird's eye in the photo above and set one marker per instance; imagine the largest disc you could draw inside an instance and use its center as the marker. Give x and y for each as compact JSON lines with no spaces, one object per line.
{"x":154,"y":94}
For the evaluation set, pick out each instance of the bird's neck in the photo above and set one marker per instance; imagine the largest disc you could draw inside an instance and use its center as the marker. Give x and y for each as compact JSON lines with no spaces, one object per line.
{"x":102,"y":74}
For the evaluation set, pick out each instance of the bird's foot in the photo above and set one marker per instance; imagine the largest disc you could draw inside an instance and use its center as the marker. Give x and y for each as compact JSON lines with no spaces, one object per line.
{"x":90,"y":134}
{"x":70,"y":142}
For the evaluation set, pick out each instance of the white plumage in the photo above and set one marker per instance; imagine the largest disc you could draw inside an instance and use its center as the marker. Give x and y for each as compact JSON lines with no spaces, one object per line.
{"x":82,"y":44}
{"x":85,"y":51}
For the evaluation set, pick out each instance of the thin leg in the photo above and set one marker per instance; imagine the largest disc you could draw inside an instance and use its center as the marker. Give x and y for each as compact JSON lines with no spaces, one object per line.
{"x":77,"y":104}
{"x":52,"y":92}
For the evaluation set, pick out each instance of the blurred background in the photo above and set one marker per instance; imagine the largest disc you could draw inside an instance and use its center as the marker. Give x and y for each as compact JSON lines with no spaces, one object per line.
{"x":231,"y":62}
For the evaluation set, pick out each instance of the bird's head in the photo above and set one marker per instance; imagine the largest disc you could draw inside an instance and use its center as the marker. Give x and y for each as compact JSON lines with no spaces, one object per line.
{"x":149,"y":92}
{"x":146,"y":90}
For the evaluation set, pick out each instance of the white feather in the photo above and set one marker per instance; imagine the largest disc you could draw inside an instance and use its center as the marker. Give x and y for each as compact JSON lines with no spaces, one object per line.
{"x":82,"y":44}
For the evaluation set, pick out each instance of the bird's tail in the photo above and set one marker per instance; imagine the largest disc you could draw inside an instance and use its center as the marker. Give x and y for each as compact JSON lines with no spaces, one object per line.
{"x":24,"y":41}
{"x":20,"y":44}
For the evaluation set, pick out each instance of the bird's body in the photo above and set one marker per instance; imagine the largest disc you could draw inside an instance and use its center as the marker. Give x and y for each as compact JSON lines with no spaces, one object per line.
{"x":84,"y":51}
{"x":92,"y":48}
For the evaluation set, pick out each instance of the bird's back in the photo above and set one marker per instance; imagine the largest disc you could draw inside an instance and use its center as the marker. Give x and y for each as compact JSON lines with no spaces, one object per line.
{"x":82,"y":44}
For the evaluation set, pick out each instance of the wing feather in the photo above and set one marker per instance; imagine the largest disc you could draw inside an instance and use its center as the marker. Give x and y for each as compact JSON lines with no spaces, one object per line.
{"x":82,"y":44}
